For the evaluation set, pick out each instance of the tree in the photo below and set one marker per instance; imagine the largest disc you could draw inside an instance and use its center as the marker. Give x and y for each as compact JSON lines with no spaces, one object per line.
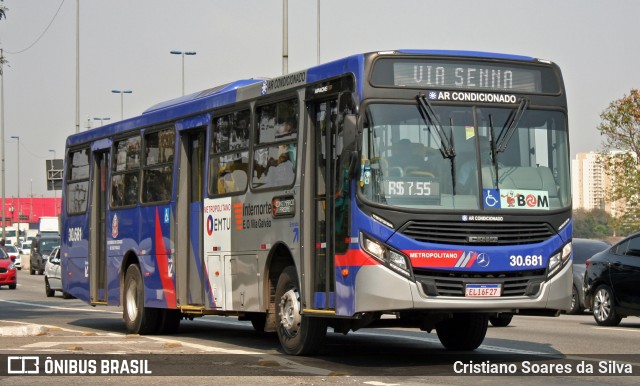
{"x":593,"y":224}
{"x":621,"y":129}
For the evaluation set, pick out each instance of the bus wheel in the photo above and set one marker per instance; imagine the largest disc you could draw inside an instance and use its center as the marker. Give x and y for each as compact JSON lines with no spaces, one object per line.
{"x":463,"y":332}
{"x":299,"y":335}
{"x":138,"y":318}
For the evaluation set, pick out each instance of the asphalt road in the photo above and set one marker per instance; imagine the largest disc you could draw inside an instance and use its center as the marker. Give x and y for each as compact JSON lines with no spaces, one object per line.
{"x":223,"y":350}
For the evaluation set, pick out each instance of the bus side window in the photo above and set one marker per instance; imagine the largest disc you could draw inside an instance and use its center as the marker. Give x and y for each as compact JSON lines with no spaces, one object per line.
{"x":275,"y":154}
{"x":125,"y":172}
{"x":229,"y":158}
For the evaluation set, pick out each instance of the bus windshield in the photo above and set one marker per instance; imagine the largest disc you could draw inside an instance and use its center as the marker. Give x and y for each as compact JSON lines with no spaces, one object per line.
{"x":465,"y":157}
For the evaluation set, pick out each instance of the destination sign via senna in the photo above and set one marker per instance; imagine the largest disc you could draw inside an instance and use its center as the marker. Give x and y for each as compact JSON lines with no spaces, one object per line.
{"x":468,"y":75}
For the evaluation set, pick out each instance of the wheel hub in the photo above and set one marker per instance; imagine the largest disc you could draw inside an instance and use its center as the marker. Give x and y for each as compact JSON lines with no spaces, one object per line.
{"x":290,"y":317}
{"x":601,"y":305}
{"x":132,"y":305}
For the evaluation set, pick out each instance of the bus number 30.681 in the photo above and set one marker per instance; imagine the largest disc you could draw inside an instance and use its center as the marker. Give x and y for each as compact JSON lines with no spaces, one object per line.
{"x":75,"y":234}
{"x":525,"y":261}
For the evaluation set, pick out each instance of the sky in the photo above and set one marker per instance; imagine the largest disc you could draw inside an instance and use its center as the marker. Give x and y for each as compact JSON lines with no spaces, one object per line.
{"x":126,"y":44}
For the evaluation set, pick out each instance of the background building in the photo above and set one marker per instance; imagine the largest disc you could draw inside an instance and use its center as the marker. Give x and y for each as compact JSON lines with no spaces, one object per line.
{"x":31,"y":209}
{"x":590,"y":183}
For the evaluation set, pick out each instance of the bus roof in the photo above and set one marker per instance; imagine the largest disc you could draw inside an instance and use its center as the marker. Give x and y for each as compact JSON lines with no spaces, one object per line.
{"x":226,"y":94}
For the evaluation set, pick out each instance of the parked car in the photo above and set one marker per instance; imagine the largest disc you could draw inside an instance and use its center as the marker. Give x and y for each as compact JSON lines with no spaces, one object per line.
{"x":52,"y":276}
{"x":611,"y":282}
{"x":14,"y":255}
{"x":582,"y":250}
{"x":8,"y":272}
{"x":41,"y":247}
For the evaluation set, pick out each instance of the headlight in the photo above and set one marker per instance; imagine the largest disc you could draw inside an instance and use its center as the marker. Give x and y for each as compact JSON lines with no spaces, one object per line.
{"x":391,"y":258}
{"x":11,"y":266}
{"x":558,"y":260}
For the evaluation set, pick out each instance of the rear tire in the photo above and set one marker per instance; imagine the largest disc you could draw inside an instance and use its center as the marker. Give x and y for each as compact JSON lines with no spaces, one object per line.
{"x":138,"y":318}
{"x":463,"y":332}
{"x":298,"y":334}
{"x":604,"y":308}
{"x":576,"y":308}
{"x":47,"y":289}
{"x":66,"y":295}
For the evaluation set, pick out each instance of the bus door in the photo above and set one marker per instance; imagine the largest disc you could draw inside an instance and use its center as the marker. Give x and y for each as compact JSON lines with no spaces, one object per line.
{"x":324,"y":118}
{"x":98,"y":228}
{"x":331,"y":233}
{"x":189,"y":218}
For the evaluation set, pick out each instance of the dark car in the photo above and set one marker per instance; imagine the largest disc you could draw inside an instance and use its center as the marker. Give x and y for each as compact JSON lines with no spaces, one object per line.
{"x":582,"y":250}
{"x":612,"y":282}
{"x":41,"y":247}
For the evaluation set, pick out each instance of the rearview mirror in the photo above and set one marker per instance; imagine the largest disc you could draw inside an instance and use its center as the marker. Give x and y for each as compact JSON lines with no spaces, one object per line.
{"x":350,"y":128}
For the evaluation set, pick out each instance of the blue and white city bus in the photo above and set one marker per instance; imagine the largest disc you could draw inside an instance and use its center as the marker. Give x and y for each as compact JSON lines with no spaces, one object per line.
{"x":429,"y":185}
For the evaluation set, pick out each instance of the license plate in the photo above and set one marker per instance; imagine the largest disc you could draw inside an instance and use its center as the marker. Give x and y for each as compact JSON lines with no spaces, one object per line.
{"x":483,"y":290}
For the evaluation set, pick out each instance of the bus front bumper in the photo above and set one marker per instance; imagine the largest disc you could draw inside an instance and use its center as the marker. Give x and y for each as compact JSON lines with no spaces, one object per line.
{"x":378,"y":289}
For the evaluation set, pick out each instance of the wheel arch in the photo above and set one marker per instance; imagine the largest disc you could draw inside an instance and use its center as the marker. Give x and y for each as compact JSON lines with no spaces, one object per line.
{"x":130,"y":258}
{"x":279,"y":257}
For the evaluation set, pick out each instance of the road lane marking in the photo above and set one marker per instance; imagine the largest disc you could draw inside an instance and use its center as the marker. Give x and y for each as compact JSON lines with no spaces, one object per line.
{"x":52,"y":344}
{"x":631,"y":329}
{"x":59,"y":308}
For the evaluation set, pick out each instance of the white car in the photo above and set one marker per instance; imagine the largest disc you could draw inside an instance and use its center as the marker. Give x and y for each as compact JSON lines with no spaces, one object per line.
{"x":25,"y":249}
{"x":52,"y":276}
{"x":14,"y":255}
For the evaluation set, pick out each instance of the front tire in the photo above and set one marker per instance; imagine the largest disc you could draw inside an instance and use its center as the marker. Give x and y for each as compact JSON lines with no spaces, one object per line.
{"x":298,"y":334}
{"x":576,"y":308}
{"x":138,"y":318}
{"x":47,"y":288}
{"x":463,"y":332}
{"x":603,"y":307}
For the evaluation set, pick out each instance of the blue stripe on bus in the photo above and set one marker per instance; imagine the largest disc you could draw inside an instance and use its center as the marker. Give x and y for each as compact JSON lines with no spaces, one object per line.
{"x":474,"y":54}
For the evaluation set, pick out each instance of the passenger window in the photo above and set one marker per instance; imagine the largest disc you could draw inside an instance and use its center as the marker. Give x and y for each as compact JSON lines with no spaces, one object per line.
{"x":275,"y":153}
{"x":634,"y":247}
{"x":229,"y":158}
{"x":126,"y":172}
{"x":78,"y":181}
{"x":159,"y":148}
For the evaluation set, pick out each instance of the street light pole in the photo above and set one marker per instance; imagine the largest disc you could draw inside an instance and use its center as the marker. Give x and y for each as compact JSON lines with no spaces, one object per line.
{"x":181,"y":53}
{"x":121,"y":92}
{"x":4,"y":219}
{"x":55,"y":192}
{"x":18,"y":179}
{"x":101,"y":120}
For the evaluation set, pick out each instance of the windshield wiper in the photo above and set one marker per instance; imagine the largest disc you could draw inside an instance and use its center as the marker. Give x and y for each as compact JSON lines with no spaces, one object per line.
{"x":494,"y":153}
{"x":511,"y":125}
{"x":430,"y":118}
